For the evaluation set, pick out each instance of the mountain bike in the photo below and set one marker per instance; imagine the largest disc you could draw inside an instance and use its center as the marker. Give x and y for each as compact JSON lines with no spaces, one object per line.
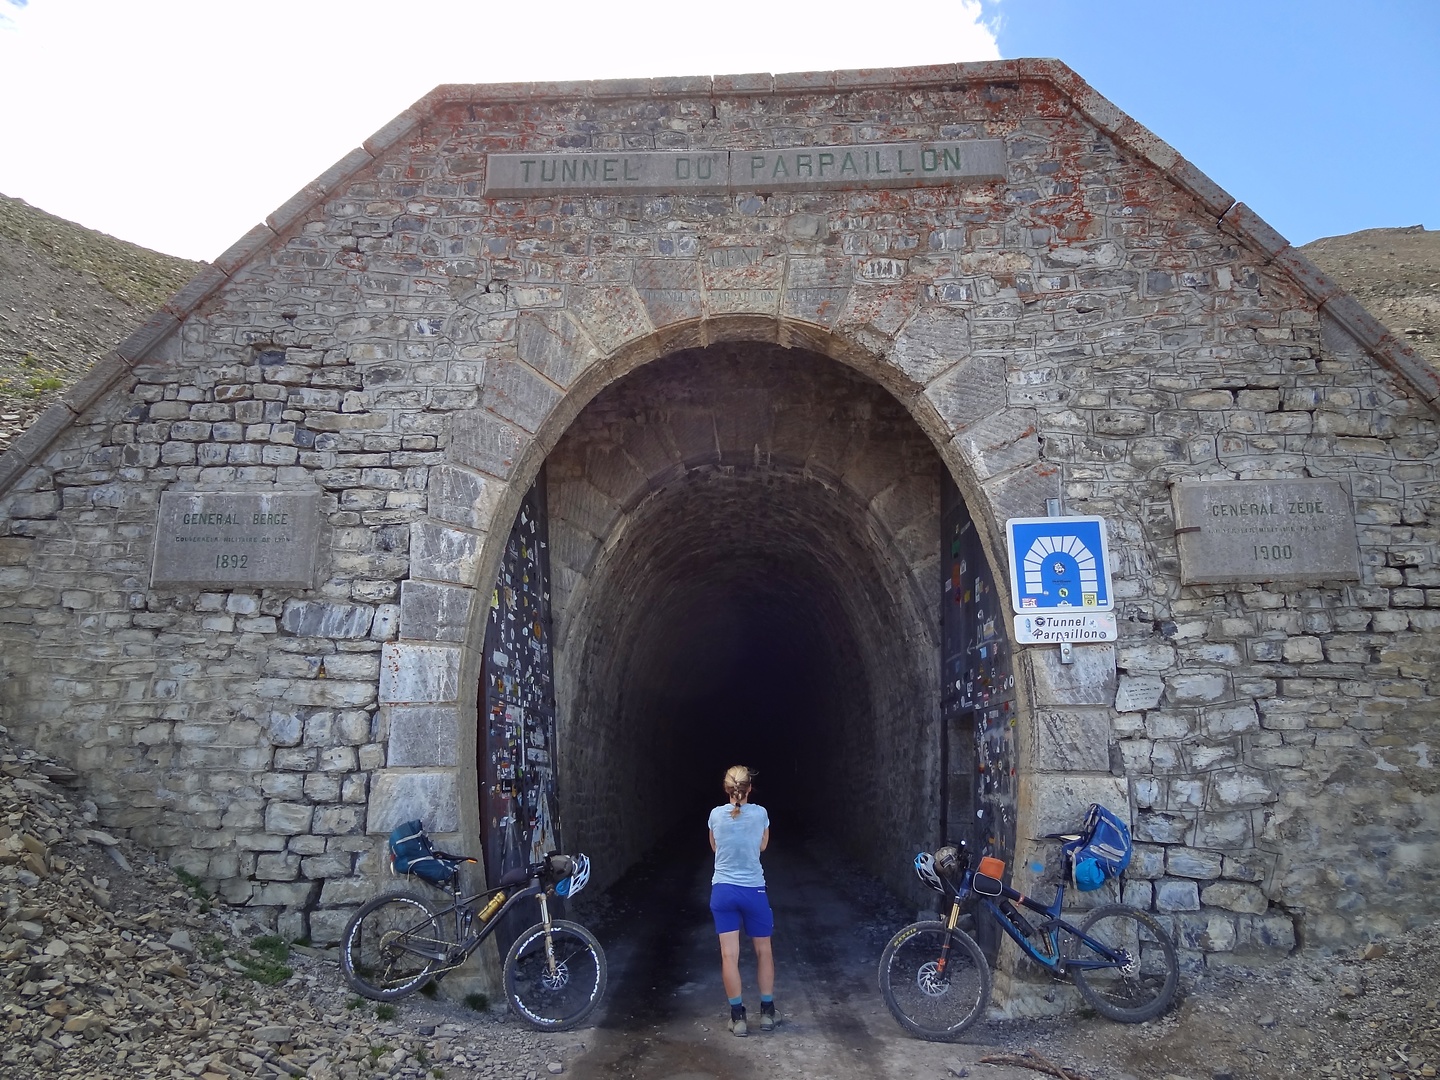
{"x":936,"y":982}
{"x":554,"y":973}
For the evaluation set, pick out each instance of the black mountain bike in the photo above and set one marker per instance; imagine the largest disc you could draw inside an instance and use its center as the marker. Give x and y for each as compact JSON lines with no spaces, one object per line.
{"x":936,"y":982}
{"x":554,"y":972}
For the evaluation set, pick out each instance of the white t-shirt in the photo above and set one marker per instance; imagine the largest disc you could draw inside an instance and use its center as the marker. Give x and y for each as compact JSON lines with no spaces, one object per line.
{"x":737,"y":845}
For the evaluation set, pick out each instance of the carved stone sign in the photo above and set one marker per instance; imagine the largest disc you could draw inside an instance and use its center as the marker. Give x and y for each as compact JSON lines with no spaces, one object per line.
{"x":874,"y":165}
{"x":236,"y":538}
{"x":1265,"y":530}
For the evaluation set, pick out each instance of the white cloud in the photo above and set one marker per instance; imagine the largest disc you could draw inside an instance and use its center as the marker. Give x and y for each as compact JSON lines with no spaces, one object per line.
{"x":181,"y":123}
{"x":9,"y":10}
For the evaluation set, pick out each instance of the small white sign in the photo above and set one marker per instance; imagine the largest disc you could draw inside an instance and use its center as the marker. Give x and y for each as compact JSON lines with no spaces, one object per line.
{"x":1051,"y":628}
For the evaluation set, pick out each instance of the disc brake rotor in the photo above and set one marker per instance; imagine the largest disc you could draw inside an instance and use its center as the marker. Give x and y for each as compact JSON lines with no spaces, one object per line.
{"x":930,"y":981}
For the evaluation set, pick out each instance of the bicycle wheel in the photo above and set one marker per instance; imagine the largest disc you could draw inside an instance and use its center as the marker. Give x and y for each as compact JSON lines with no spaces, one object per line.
{"x":934,"y":1002}
{"x":391,"y":946}
{"x":1140,"y":987}
{"x":554,"y":999}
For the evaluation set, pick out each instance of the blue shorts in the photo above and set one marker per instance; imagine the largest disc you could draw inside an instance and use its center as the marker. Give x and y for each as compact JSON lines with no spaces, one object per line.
{"x":735,"y":906}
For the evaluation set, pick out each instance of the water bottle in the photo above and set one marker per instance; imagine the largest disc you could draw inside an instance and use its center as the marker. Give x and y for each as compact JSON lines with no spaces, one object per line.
{"x":488,"y":911}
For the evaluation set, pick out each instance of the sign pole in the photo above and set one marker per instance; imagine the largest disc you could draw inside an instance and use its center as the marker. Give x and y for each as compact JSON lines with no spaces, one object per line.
{"x":1053,"y":508}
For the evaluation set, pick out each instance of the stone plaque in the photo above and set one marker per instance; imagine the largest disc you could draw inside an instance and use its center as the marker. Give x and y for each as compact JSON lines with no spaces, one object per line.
{"x":1265,"y":530}
{"x":642,"y":173}
{"x":650,"y":172}
{"x":224,"y":538}
{"x":876,"y":165}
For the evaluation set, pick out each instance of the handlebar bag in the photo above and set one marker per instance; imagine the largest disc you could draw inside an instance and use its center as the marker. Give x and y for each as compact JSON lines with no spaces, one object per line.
{"x":1102,"y":852}
{"x":412,"y":853}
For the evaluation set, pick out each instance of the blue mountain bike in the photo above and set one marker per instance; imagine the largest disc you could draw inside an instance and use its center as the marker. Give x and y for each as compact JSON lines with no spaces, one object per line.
{"x":936,"y":981}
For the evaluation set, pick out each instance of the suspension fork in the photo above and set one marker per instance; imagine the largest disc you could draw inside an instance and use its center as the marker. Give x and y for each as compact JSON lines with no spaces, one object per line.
{"x":550,"y":965}
{"x":950,"y":925}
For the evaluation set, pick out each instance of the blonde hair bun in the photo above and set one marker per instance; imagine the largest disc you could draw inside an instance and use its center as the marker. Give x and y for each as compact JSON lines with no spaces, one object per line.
{"x":737,"y":785}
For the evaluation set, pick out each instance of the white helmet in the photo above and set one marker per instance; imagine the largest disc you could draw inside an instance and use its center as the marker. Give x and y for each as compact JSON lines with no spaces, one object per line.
{"x":926,"y":872}
{"x":578,"y":879}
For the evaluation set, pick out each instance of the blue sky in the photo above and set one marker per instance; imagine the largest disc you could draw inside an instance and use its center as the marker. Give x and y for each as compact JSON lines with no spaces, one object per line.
{"x":179,"y":124}
{"x":1322,"y":116}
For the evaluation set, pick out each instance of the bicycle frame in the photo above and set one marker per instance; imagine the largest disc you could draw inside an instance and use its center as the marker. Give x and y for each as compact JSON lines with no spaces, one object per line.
{"x":463,"y":911}
{"x":1048,"y":931}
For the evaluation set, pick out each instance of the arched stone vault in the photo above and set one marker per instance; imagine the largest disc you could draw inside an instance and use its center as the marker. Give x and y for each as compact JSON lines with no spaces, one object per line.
{"x":770,"y":486}
{"x":886,"y":478}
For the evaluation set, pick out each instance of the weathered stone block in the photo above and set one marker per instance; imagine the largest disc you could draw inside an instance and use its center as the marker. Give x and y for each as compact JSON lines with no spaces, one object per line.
{"x":442,"y":553}
{"x":338,"y":820}
{"x":418,"y":674}
{"x":1242,"y":788}
{"x":423,"y":735}
{"x":277,"y":867}
{"x":1190,"y":863}
{"x":1061,"y":801}
{"x":1090,"y":680}
{"x":1226,"y":720}
{"x":1246,"y":899}
{"x":435,"y":612}
{"x":1173,"y":895}
{"x":1072,"y":740}
{"x":310,"y":618}
{"x":1136,"y":693}
{"x":287,"y":819}
{"x":933,"y":342}
{"x":401,"y":796}
{"x":1161,"y":828}
{"x":328,"y":924}
{"x":1200,"y":688}
{"x":462,"y":497}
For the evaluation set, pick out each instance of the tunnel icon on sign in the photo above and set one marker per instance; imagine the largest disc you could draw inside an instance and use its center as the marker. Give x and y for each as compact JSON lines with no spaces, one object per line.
{"x":1061,"y":568}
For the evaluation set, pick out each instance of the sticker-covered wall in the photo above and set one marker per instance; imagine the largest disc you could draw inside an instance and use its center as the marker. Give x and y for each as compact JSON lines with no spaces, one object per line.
{"x":258,"y":570}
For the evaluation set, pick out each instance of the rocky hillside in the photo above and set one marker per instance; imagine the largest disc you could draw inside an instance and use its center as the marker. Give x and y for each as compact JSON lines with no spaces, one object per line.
{"x":113,"y":965}
{"x":1395,"y":273}
{"x":68,"y":295}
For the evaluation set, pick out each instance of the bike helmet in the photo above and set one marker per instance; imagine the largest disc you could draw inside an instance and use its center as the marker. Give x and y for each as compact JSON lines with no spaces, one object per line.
{"x":926,"y":872}
{"x":578,"y":879}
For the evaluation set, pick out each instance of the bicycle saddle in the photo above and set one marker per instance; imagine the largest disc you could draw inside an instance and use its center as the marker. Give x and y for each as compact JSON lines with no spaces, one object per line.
{"x":518,"y":876}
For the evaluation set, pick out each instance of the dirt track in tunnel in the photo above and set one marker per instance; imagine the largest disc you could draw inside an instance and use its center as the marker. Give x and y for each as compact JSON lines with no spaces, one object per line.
{"x":664,"y":1015}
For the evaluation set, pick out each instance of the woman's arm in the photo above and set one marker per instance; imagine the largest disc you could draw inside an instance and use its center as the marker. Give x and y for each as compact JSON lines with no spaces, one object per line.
{"x":712,"y":841}
{"x":764,"y":838}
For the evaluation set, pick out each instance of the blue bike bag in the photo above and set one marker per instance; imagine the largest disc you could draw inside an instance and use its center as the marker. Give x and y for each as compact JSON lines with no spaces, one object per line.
{"x":411,"y":852}
{"x":1101,"y":852}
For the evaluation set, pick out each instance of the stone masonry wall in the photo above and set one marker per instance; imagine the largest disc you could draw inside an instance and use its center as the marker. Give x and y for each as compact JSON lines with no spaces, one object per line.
{"x":1098,"y":324}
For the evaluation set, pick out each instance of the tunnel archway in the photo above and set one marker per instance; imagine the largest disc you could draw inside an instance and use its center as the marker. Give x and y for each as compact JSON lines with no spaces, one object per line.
{"x":744,"y":544}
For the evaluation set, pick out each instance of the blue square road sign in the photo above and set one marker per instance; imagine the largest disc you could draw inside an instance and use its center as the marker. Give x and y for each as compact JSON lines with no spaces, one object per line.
{"x":1059,"y":564}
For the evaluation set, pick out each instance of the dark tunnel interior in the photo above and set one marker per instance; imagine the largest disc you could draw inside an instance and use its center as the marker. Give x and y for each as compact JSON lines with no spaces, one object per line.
{"x":743,"y":541}
{"x":748,"y":669}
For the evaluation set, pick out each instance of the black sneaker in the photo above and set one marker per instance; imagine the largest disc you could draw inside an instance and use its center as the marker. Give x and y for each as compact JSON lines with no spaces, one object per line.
{"x":768,"y":1019}
{"x":737,"y":1021}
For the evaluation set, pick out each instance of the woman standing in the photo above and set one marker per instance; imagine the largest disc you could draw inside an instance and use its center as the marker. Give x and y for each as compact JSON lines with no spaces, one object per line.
{"x":739,"y":832}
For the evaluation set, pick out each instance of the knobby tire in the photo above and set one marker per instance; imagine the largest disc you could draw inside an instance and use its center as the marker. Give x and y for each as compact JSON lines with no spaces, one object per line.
{"x":381,"y":950}
{"x":555,"y":1001}
{"x":927,"y":1002}
{"x":1146,"y":987}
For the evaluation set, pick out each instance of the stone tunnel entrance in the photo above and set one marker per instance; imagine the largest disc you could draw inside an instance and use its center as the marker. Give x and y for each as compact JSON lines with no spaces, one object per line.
{"x":744,"y":557}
